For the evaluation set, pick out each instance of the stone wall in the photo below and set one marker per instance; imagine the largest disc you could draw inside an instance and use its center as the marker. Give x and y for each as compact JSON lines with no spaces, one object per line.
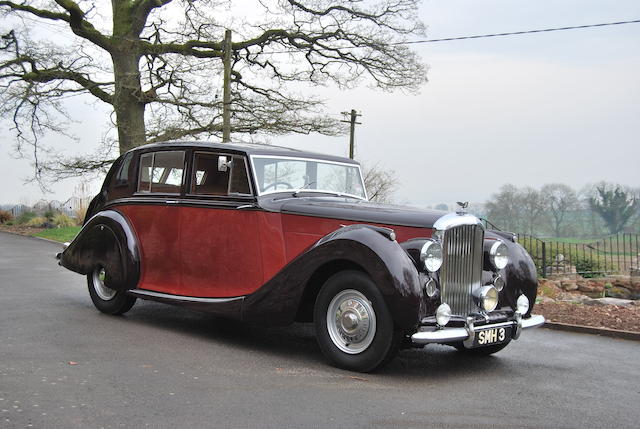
{"x":614,"y":286}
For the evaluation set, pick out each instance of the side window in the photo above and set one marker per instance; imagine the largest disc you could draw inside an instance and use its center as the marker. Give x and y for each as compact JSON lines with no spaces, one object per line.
{"x":122,"y":177}
{"x":216,"y":174}
{"x":161,"y":172}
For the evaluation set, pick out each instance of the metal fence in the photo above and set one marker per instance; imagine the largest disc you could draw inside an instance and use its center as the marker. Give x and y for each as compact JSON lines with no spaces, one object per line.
{"x":616,"y":254}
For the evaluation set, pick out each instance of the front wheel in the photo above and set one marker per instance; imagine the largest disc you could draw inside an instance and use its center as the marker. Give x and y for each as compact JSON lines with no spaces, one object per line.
{"x":105,"y":299}
{"x":353,"y":325}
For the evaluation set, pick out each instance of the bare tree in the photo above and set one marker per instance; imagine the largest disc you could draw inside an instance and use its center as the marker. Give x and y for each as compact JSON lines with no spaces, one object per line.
{"x":560,"y":201}
{"x":505,"y":208}
{"x":157,"y":63}
{"x":380,"y":182}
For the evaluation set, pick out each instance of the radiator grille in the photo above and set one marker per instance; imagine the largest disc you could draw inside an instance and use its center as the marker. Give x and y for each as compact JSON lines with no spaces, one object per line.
{"x":461,"y":271}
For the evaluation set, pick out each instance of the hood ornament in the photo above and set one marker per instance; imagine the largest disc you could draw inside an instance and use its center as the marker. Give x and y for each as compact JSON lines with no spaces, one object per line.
{"x":463,"y":207}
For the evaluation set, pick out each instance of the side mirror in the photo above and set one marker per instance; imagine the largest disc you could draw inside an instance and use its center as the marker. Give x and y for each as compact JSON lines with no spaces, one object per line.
{"x":223,"y":163}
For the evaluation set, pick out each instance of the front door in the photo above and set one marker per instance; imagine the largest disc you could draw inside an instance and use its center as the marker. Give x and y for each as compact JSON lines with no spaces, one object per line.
{"x":219,"y":239}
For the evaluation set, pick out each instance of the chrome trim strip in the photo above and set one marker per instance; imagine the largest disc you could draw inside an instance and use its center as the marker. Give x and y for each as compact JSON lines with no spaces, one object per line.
{"x":447,"y":335}
{"x":155,"y":295}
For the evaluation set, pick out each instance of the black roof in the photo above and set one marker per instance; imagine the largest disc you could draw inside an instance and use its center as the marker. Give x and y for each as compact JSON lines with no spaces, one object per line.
{"x":248,"y":148}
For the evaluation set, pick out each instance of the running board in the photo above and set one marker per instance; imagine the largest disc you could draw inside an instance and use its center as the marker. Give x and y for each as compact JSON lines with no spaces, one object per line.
{"x":228,"y":307}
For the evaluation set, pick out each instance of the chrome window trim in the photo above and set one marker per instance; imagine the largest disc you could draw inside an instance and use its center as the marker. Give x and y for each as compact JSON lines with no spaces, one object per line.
{"x":319,"y":160}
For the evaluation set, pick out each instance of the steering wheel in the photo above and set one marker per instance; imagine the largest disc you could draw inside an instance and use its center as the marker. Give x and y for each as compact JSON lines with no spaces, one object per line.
{"x":275,"y":184}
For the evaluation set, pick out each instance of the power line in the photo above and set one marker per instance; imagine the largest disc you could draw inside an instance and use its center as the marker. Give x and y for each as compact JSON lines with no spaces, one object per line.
{"x":514,"y":33}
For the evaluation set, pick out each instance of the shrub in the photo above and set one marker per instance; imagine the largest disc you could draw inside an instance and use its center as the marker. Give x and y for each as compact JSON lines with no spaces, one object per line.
{"x":588,"y":268}
{"x":9,"y":223}
{"x":37,"y":221}
{"x":80,"y":214}
{"x":5,"y":216}
{"x":25,"y":217}
{"x":49,"y":214}
{"x":62,"y":220}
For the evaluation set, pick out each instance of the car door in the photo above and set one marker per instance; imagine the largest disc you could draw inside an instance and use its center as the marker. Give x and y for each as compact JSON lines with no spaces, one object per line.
{"x":154,"y":214}
{"x":219,"y":238}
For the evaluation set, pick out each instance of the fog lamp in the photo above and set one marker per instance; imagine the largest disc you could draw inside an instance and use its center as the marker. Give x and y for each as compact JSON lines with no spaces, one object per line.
{"x":522,"y":304}
{"x":443,"y":314}
{"x":488,"y":297}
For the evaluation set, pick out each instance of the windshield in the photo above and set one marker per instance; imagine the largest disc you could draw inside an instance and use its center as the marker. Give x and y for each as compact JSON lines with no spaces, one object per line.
{"x":277,"y":174}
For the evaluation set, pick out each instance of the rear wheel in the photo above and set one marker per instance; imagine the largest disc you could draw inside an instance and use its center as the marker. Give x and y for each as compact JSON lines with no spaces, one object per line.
{"x":353,"y":325}
{"x":105,"y":299}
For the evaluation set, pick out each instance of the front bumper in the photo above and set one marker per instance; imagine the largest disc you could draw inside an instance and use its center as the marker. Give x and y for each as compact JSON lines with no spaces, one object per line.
{"x":467,"y":333}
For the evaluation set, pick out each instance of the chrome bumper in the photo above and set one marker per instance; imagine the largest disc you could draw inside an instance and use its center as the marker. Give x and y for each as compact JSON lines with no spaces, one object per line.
{"x":467,"y":334}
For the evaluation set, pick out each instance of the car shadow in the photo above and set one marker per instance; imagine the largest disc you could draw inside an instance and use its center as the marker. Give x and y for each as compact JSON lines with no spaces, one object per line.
{"x":297,"y":342}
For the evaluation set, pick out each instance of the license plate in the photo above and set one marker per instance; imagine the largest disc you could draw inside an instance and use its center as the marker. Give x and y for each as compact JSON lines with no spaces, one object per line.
{"x":491,"y":336}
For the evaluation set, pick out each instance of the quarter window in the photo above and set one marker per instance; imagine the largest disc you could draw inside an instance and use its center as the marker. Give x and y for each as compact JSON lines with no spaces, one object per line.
{"x":161,"y":172}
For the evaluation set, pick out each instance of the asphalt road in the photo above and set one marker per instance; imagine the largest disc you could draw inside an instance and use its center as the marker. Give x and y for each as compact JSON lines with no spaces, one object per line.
{"x":65,"y":365}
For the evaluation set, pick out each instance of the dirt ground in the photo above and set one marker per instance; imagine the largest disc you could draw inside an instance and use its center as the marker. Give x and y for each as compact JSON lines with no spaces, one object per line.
{"x":598,"y":316}
{"x":20,"y":229}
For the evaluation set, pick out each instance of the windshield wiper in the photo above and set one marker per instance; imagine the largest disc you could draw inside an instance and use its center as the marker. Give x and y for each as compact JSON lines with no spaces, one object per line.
{"x":297,"y":191}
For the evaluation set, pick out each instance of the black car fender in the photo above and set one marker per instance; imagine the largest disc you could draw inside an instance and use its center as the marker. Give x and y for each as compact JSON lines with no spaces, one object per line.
{"x":520,"y":274}
{"x":372,"y":249}
{"x":106,"y":240}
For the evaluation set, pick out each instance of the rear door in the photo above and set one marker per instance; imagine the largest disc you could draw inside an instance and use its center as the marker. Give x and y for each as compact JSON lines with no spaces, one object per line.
{"x":155,"y":216}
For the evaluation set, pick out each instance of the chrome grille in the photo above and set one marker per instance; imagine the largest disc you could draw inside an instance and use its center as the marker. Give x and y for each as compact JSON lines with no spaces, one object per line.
{"x":461,"y":270}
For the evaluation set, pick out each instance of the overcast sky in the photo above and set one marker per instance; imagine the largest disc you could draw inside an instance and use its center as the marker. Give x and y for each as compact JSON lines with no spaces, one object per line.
{"x":527,"y":110}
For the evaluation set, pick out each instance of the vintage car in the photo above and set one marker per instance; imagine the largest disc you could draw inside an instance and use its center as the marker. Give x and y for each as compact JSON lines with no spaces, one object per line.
{"x":273,"y":235}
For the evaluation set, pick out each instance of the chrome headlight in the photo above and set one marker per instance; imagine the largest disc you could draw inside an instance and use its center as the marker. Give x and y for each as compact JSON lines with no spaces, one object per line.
{"x":499,"y":255}
{"x":431,"y":255}
{"x":488,"y":297}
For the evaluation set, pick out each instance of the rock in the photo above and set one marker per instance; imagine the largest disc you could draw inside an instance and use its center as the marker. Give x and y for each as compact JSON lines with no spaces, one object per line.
{"x":593,"y":289}
{"x":636,"y":302}
{"x":569,"y":285}
{"x":541,"y":299}
{"x":618,"y":292}
{"x":609,"y":301}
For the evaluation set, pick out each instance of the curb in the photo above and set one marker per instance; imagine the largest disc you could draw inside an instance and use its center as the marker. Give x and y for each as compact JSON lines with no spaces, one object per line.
{"x":627,"y":335}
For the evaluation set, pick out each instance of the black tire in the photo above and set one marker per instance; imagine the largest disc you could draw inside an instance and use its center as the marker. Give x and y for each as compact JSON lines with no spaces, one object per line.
{"x":481,"y":351}
{"x":107,"y":300}
{"x":376,"y":341}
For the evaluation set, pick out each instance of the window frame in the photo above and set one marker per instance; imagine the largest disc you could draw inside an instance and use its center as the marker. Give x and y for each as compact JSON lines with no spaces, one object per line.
{"x":319,"y":160}
{"x":185,"y":171}
{"x":229,"y":195}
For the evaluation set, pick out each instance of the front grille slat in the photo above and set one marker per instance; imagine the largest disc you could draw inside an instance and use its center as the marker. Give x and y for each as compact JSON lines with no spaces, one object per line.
{"x":461,"y":271}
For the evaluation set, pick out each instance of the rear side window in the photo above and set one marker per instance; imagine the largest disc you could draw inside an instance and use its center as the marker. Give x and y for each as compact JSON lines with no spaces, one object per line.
{"x":216,"y":174}
{"x":161,"y":172}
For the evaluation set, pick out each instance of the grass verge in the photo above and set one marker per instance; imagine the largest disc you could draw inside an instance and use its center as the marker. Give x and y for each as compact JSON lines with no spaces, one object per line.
{"x":59,"y":234}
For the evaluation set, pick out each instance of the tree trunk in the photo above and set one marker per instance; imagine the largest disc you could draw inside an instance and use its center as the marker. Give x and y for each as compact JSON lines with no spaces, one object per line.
{"x":128,"y":103}
{"x":129,"y":107}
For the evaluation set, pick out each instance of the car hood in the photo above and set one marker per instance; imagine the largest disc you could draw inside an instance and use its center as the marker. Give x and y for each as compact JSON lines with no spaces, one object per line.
{"x":353,"y":210}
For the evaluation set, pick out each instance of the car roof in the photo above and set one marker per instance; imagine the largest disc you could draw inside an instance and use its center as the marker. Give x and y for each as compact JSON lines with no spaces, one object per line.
{"x":248,"y":148}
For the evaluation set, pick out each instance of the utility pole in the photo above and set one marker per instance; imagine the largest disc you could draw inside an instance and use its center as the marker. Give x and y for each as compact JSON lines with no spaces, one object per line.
{"x":352,"y":121}
{"x":226,"y":96}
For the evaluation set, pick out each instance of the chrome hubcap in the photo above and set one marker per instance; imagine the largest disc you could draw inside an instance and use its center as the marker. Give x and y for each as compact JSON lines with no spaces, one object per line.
{"x":103,"y":292}
{"x":351,"y":321}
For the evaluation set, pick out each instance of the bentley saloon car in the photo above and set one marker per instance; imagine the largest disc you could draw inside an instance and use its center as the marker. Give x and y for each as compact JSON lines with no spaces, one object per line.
{"x":272,"y":235}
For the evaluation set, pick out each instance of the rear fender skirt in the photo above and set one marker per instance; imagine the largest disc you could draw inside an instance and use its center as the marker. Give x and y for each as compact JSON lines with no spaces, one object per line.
{"x":106,"y":240}
{"x":520,"y":274}
{"x":389,"y":266}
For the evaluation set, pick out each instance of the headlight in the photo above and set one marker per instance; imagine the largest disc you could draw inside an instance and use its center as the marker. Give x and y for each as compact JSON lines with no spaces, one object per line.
{"x":499,"y":255}
{"x":430,"y":288}
{"x":498,"y":283}
{"x":443,"y":314}
{"x":488,"y":297}
{"x":522,"y":304}
{"x":431,"y":256}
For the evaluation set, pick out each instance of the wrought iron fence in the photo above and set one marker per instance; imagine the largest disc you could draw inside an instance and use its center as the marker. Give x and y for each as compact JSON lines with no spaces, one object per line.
{"x":616,"y":254}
